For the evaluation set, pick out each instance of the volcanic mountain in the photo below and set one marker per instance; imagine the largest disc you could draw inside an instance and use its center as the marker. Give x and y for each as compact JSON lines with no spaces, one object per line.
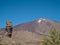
{"x":33,"y":31}
{"x":40,"y":26}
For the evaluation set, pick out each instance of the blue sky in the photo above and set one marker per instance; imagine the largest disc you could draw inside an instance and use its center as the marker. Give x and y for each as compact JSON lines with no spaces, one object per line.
{"x":21,"y":11}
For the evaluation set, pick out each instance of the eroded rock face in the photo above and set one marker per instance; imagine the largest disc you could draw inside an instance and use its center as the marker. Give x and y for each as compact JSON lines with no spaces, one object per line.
{"x":8,"y":29}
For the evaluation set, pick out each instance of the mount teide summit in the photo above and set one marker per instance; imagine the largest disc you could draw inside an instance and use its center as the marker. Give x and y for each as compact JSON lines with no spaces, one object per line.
{"x":33,"y":31}
{"x":42,"y":26}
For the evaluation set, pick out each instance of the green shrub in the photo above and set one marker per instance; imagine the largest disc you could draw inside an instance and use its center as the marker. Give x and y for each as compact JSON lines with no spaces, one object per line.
{"x":52,"y":39}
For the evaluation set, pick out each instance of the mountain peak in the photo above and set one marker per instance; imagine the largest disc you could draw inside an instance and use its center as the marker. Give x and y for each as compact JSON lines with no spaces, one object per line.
{"x":41,"y":19}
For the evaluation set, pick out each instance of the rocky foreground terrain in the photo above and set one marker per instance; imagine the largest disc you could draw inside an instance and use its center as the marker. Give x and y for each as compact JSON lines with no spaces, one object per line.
{"x":31,"y":33}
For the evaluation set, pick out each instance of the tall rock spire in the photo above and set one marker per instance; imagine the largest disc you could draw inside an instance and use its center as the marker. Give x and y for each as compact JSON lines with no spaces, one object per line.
{"x":8,"y":29}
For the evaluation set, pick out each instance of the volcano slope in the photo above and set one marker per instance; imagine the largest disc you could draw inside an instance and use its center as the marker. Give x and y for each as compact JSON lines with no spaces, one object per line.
{"x":32,"y":33}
